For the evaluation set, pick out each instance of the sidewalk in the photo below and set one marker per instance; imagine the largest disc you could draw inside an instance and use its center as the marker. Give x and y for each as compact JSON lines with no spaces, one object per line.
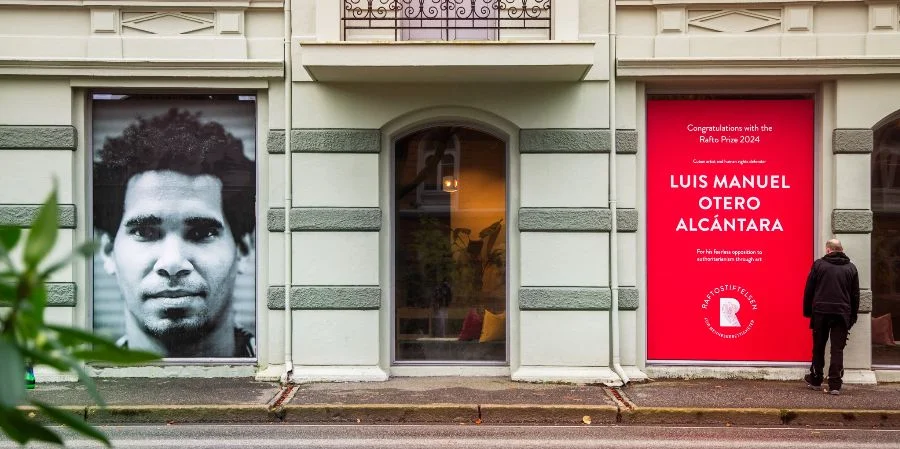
{"x":479,"y":400}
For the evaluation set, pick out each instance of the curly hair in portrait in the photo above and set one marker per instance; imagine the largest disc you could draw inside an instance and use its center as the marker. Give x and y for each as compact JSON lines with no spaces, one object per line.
{"x":177,"y":141}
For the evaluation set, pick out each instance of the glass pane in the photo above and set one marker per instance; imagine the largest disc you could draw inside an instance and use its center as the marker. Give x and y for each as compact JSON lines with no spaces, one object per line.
{"x":450,"y":247}
{"x":886,"y":246}
{"x":448,"y":20}
{"x":174,"y":195}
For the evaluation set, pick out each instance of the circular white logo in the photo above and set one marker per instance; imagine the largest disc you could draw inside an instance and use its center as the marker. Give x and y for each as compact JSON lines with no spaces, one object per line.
{"x":729,"y":311}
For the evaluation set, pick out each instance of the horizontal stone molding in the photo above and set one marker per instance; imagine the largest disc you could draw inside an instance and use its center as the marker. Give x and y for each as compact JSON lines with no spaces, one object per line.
{"x":865,"y":301}
{"x":668,"y":67}
{"x":326,"y":297}
{"x":270,"y":4}
{"x":326,"y":141}
{"x":37,"y":138}
{"x":849,"y":141}
{"x":275,"y":141}
{"x":851,"y":221}
{"x":61,"y":294}
{"x":326,"y":219}
{"x":626,"y":141}
{"x":628,"y":298}
{"x":24,"y":215}
{"x":575,"y":298}
{"x":564,"y":298}
{"x":178,"y":69}
{"x":575,"y":141}
{"x":626,"y":220}
{"x":560,"y":219}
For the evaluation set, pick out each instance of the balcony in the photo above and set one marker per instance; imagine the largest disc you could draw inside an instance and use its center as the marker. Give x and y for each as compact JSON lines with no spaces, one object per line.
{"x":450,"y":41}
{"x":447,"y":20}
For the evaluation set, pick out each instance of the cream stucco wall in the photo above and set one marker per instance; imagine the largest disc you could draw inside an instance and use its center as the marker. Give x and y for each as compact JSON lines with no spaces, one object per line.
{"x":50,"y":58}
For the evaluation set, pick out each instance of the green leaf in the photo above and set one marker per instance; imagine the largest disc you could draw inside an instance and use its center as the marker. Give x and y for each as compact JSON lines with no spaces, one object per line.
{"x":70,"y":336}
{"x":8,"y":426}
{"x":43,"y":232}
{"x":88,"y":248}
{"x":39,"y":357}
{"x":38,"y":299}
{"x":9,"y":236}
{"x":7,"y":292}
{"x":83,"y":376}
{"x":115,"y":355}
{"x":21,"y":429}
{"x":72,"y":421}
{"x":104,"y":349}
{"x":28,"y":324}
{"x":85,"y":250}
{"x":12,"y":375}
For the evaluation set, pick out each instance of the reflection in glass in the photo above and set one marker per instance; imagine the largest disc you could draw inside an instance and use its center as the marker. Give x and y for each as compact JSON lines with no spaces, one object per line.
{"x":450,"y":246}
{"x":886,"y":246}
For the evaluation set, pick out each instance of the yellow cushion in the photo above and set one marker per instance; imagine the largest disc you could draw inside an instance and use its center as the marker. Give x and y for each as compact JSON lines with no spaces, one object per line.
{"x":494,"y":327}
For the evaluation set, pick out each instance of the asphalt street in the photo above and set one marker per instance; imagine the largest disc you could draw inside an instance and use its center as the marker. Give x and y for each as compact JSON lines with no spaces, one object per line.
{"x":472,"y":436}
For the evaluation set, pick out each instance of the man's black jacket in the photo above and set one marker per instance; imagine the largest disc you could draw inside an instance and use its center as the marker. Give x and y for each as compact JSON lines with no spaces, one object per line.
{"x":832,"y":287}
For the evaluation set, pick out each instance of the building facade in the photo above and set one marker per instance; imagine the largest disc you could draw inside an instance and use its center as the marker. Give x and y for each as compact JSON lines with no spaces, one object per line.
{"x":519,"y":188}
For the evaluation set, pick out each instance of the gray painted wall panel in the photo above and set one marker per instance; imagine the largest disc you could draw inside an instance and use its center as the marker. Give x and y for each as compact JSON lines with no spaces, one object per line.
{"x":326,"y":141}
{"x":553,"y":219}
{"x":576,"y":141}
{"x":326,"y":219}
{"x":61,"y":294}
{"x":851,"y":221}
{"x":24,"y":215}
{"x":575,"y":298}
{"x":852,"y":141}
{"x":37,"y":138}
{"x":326,"y":297}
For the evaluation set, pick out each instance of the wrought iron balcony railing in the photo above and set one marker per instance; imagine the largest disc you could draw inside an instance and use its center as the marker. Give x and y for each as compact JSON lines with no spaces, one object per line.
{"x":447,"y":20}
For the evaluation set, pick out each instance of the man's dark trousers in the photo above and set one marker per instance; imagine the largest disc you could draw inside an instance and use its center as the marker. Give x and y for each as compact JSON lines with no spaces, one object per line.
{"x":825,"y":325}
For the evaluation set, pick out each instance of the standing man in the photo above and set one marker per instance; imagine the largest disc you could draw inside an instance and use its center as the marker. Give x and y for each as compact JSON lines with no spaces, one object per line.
{"x":831,"y":302}
{"x":174,"y":207}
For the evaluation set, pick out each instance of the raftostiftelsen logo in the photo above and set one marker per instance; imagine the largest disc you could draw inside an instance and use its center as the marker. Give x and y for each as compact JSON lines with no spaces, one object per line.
{"x":729,"y":310}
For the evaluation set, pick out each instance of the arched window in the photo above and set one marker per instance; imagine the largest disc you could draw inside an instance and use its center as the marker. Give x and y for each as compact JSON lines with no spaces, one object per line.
{"x":886,"y":245}
{"x":449,"y":247}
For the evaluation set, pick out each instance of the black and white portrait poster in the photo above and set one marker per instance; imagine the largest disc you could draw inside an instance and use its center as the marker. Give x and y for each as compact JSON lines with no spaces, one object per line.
{"x":174,"y":193}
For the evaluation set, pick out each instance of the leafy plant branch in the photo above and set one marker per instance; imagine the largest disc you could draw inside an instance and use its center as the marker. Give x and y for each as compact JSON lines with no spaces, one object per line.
{"x":27,"y":340}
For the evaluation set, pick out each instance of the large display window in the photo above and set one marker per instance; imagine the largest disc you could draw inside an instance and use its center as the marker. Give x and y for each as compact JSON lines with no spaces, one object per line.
{"x":450,"y":246}
{"x":886,"y":246}
{"x":174,"y":201}
{"x":729,"y":229}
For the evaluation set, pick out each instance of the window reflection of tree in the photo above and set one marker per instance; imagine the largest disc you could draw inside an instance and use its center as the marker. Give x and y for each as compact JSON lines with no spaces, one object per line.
{"x":886,"y":223}
{"x":449,"y":252}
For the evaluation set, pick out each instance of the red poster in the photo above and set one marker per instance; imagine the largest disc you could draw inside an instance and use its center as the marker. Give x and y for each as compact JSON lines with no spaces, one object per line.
{"x":730,"y":229}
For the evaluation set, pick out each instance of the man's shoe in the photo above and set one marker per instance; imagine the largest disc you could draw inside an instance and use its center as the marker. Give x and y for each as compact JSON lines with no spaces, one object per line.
{"x":833,"y":392}
{"x":811,"y":382}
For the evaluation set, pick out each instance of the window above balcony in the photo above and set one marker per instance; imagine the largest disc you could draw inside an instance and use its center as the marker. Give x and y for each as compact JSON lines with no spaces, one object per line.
{"x":446,"y":20}
{"x":447,"y":41}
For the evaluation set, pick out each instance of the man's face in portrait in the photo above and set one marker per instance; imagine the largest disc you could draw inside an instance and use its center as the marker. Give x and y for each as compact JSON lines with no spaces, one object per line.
{"x":174,"y":255}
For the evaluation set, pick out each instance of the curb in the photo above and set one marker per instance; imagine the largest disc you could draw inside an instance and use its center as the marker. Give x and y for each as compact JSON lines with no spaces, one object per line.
{"x":549,"y":414}
{"x":163,"y":414}
{"x":379,"y":413}
{"x":761,"y":417}
{"x":182,"y":414}
{"x":847,"y":418}
{"x":476,"y":414}
{"x":447,"y":413}
{"x":702,"y":416}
